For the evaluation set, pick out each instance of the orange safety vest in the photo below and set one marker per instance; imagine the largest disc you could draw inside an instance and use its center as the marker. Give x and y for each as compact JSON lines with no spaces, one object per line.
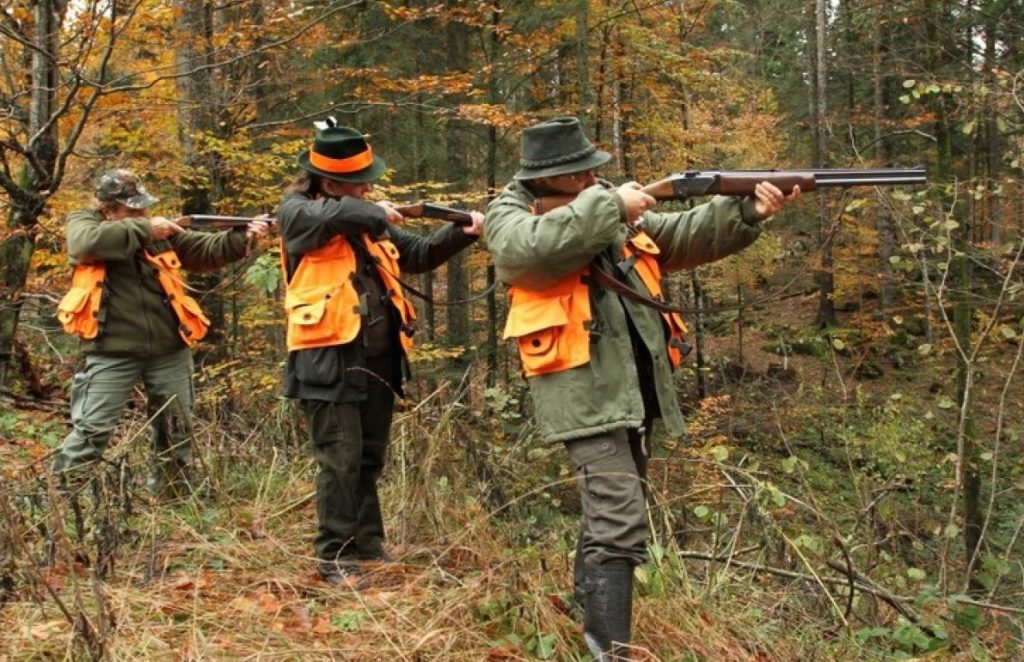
{"x":552,"y":327}
{"x":79,"y":310}
{"x":321,"y":300}
{"x":642,"y":249}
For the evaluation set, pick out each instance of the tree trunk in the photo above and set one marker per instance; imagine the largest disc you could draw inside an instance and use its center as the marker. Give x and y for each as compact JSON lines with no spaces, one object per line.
{"x":458,"y":278}
{"x":826,"y":315}
{"x":26,"y":202}
{"x":883,"y":220}
{"x":492,"y":189}
{"x":197,"y":116}
{"x":584,"y":101}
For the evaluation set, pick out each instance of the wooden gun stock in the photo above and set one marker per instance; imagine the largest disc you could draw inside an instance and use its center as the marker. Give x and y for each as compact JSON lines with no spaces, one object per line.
{"x":213,"y":222}
{"x":430,"y":210}
{"x":694,"y":183}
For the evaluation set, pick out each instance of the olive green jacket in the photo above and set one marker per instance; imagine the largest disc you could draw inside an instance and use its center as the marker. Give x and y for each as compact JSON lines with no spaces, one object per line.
{"x":534,"y":252}
{"x":135,"y":317}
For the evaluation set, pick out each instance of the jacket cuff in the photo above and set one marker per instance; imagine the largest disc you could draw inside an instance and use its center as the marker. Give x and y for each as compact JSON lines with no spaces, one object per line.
{"x":621,"y":204}
{"x":239,"y":241}
{"x":748,"y":211}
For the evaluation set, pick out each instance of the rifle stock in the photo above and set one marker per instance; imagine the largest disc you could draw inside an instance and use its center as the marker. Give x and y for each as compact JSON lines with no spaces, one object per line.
{"x":692,"y":183}
{"x":430,"y":210}
{"x":214,"y":222}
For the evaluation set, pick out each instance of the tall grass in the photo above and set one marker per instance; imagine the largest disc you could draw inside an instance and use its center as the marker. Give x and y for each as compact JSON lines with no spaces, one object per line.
{"x":482,"y":518}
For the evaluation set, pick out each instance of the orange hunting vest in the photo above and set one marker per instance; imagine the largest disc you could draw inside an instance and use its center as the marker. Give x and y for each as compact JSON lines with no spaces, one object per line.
{"x":79,"y":310}
{"x":322,"y":303}
{"x":552,"y":327}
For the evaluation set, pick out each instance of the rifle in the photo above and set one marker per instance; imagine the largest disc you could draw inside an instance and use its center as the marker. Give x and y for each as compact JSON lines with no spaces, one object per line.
{"x":691,"y":183}
{"x":430,"y":210}
{"x":213,"y":222}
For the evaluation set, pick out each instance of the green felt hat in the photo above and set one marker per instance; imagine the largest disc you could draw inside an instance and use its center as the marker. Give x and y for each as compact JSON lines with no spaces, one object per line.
{"x":557,"y":147}
{"x":342,"y":154}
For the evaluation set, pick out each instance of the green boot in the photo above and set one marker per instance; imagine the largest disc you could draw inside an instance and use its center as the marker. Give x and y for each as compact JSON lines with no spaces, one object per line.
{"x":608,"y":612}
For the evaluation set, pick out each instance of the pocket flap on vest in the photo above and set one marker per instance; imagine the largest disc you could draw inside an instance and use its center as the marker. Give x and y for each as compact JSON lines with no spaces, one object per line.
{"x":306,"y":307}
{"x":531,"y":316}
{"x":73,"y":302}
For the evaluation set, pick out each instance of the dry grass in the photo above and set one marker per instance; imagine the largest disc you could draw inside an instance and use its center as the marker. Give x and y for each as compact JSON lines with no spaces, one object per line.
{"x":481,"y":524}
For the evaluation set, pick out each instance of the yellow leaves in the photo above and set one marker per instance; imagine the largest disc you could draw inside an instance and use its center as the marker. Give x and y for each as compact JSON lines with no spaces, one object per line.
{"x":497,"y":115}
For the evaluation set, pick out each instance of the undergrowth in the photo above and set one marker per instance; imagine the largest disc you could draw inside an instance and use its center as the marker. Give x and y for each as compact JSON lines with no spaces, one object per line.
{"x":802,"y":537}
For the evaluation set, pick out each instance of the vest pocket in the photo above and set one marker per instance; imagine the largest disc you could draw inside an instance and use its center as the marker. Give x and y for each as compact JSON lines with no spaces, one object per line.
{"x":76,"y":316}
{"x":194,"y":320}
{"x":306,"y":316}
{"x":537,"y":326}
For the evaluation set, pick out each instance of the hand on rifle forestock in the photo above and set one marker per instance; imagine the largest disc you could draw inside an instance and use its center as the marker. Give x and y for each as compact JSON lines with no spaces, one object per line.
{"x":258,"y":227}
{"x":472,"y":222}
{"x":768,"y":198}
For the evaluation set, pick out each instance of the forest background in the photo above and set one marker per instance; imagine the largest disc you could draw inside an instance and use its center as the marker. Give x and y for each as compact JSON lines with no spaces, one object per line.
{"x":850,"y":483}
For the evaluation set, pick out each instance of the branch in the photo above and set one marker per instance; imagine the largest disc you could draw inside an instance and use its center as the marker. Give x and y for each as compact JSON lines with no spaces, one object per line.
{"x":895,"y":601}
{"x":217,"y":65}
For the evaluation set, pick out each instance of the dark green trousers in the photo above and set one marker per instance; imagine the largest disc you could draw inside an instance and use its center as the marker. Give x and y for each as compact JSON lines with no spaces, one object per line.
{"x":350,"y":443}
{"x":100,"y":392}
{"x":611,"y":470}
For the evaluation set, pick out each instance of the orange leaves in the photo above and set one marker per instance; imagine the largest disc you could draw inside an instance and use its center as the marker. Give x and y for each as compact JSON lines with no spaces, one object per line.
{"x":497,"y":115}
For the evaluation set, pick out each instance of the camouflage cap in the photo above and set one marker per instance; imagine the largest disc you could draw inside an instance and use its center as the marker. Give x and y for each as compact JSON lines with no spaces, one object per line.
{"x":125,"y":187}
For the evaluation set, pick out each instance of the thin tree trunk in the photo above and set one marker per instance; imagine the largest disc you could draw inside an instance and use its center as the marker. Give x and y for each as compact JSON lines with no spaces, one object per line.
{"x":826,"y":315}
{"x":197,"y":116}
{"x":492,"y":189}
{"x":458,"y":332}
{"x":883,"y":220}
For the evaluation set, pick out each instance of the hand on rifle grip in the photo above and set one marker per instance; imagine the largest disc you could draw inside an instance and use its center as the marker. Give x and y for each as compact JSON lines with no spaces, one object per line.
{"x":161,"y":227}
{"x":635,"y":201}
{"x":394,"y":216}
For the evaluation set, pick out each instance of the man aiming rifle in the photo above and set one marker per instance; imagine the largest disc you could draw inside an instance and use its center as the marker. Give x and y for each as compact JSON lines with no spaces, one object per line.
{"x":583,"y":261}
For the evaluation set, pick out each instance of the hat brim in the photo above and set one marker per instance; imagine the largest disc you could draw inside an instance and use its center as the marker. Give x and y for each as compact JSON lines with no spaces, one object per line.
{"x":595,"y":159}
{"x":371,"y":173}
{"x":141,"y":201}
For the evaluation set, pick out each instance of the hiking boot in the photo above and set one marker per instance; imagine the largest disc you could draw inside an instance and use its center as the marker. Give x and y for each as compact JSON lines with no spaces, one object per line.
{"x":340,"y":573}
{"x":378,"y":554}
{"x":173,"y":480}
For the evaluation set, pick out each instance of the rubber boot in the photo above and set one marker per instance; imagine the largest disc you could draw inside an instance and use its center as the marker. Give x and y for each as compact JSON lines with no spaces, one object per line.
{"x":578,"y":601}
{"x":608,"y":612}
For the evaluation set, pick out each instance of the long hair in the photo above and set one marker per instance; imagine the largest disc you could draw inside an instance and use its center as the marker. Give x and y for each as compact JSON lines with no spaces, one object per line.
{"x":303,"y":183}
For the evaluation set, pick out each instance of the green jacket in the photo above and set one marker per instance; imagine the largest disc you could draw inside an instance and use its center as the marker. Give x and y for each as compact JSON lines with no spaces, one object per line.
{"x":534,"y":252}
{"x":136,"y":319}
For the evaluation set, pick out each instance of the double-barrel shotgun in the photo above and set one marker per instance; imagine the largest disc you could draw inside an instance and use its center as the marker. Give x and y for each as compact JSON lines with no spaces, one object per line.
{"x":430,"y":210}
{"x":692,"y":183}
{"x":214,"y":222}
{"x":417,"y":210}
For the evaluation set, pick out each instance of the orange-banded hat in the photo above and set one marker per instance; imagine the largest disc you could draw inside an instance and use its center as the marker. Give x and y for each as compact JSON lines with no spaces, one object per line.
{"x":342,"y":154}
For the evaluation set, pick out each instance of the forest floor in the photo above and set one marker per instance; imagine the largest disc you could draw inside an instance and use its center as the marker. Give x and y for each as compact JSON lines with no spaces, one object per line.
{"x":804,"y":474}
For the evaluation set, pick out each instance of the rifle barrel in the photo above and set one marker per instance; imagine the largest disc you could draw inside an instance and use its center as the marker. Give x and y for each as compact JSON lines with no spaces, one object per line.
{"x":854,"y":176}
